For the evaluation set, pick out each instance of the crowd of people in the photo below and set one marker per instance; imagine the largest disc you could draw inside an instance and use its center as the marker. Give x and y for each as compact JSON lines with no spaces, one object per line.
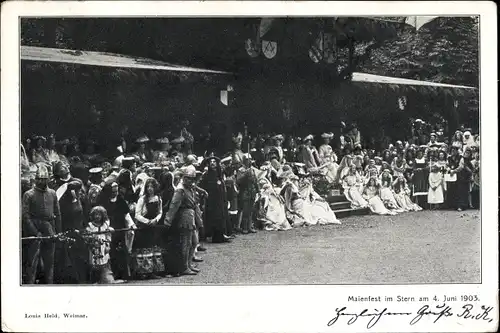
{"x":147,"y":213}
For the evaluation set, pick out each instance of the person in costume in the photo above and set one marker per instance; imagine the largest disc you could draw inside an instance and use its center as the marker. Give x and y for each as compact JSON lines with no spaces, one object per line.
{"x":352,"y":184}
{"x":309,"y":153}
{"x":402,"y":194}
{"x":237,"y":153}
{"x":420,"y":176}
{"x":246,"y":181}
{"x":52,"y":154}
{"x":99,"y":246}
{"x":271,"y":212}
{"x":278,"y":145}
{"x":371,"y":194}
{"x":328,"y":158}
{"x":398,"y":165}
{"x":39,"y":154}
{"x":476,"y":183}
{"x":457,"y":140}
{"x":143,"y":153}
{"x":70,"y":258}
{"x":387,"y":192}
{"x":120,"y":218}
{"x":148,"y":213}
{"x":63,"y":151}
{"x":320,"y":210}
{"x":435,"y":195}
{"x":41,"y":217}
{"x":95,"y":186}
{"x":216,"y":215}
{"x":297,"y":210}
{"x":176,"y":152}
{"x":464,"y":177}
{"x":468,"y":140}
{"x":161,"y":154}
{"x":180,"y":219}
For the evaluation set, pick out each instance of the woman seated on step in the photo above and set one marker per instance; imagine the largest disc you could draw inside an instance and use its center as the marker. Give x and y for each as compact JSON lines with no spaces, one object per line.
{"x":402,"y":194}
{"x":371,"y":194}
{"x":387,"y":192}
{"x":298,"y":212}
{"x":353,"y":184}
{"x":271,"y":207}
{"x":319,"y":207}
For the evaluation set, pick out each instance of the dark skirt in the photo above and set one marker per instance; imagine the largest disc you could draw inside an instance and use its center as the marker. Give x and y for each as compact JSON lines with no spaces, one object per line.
{"x":420,"y":181}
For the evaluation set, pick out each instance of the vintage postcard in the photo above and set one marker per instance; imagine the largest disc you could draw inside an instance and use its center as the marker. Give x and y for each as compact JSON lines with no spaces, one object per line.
{"x":262,"y":166}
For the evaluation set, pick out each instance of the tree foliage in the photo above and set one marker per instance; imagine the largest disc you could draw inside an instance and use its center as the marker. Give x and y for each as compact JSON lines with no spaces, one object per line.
{"x":445,"y":50}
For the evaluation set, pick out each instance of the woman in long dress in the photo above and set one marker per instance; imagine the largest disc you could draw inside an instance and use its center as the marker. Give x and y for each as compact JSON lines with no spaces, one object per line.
{"x":402,"y":195}
{"x":352,"y":184}
{"x":328,"y":158}
{"x":435,"y":196}
{"x":319,"y":208}
{"x":148,"y":213}
{"x":387,"y":192}
{"x":344,"y":167}
{"x":297,"y":210}
{"x":420,"y":176}
{"x":371,"y":195}
{"x":271,"y":208}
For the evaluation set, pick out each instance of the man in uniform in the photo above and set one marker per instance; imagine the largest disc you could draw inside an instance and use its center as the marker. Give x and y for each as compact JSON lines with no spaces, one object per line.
{"x":181,"y":220}
{"x":41,"y":217}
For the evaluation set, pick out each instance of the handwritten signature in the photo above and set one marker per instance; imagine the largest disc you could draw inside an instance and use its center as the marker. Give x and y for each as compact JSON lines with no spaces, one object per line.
{"x":467,"y":311}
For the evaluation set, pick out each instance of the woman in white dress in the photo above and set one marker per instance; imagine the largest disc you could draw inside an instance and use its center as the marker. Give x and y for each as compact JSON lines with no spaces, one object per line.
{"x":297,"y":210}
{"x":352,"y":184}
{"x":387,"y":192}
{"x":328,"y":159}
{"x":435,"y":196}
{"x":402,"y":195}
{"x":319,"y":208}
{"x":371,"y":195}
{"x":344,"y":167}
{"x":271,"y":207}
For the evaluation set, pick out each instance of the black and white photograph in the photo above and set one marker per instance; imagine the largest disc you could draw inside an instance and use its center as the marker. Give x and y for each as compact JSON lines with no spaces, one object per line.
{"x":250,"y":150}
{"x":253,"y":150}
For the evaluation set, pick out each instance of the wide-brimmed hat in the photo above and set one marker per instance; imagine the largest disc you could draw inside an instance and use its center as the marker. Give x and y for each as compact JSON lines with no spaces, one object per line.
{"x":128,"y":161}
{"x":178,"y":140}
{"x":142,"y":139}
{"x":163,"y":140}
{"x":95,"y":171}
{"x":309,"y":137}
{"x":207,"y":160}
{"x":327,"y":135}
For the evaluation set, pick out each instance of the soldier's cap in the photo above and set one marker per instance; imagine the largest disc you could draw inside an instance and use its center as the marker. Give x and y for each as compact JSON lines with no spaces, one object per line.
{"x":95,"y":171}
{"x":327,"y":135}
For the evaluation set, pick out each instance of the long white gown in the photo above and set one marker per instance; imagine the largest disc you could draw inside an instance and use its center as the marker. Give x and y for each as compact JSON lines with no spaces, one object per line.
{"x":319,"y":208}
{"x":375,"y":203}
{"x":297,"y":210}
{"x":352,"y":185}
{"x":272,"y":208}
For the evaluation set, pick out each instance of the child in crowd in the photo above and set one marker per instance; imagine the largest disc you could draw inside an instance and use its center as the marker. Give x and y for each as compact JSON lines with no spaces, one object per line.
{"x":98,"y":238}
{"x":435,"y":196}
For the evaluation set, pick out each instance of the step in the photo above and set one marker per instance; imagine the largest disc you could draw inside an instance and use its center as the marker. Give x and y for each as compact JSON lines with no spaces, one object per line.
{"x":343,"y":213}
{"x":340,"y":205}
{"x":335,"y":198}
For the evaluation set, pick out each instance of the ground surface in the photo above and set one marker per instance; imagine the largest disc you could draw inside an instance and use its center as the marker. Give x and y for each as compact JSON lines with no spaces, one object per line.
{"x":421,"y":247}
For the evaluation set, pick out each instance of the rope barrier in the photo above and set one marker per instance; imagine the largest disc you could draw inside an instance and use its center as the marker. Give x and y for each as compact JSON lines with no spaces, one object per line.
{"x":64,"y":235}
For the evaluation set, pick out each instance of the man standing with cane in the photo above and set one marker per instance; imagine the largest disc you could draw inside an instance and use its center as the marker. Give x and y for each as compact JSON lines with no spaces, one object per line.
{"x":41,"y":218}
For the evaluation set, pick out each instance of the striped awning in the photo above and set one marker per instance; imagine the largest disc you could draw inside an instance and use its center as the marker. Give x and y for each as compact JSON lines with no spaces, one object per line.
{"x":92,"y":58}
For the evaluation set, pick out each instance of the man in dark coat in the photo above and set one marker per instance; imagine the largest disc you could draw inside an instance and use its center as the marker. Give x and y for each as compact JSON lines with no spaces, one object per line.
{"x":216,"y":205}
